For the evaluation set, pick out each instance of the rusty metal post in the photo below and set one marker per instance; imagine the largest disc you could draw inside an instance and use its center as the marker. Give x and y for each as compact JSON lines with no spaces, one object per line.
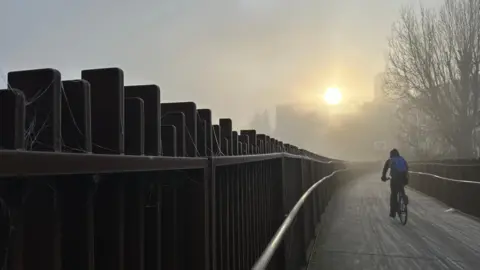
{"x":135,"y":197}
{"x":77,"y":224}
{"x":217,"y":142}
{"x":169,"y":139}
{"x":150,"y":94}
{"x":176,"y":119}
{"x":108,"y":125}
{"x":189,"y":110}
{"x":235,"y":144}
{"x":202,"y":135}
{"x":12,"y":119}
{"x":109,"y":222}
{"x":41,"y":224}
{"x":76,"y":116}
{"x":153,"y":222}
{"x":43,"y":94}
{"x":134,"y":126}
{"x":226,"y":135}
{"x":206,"y":115}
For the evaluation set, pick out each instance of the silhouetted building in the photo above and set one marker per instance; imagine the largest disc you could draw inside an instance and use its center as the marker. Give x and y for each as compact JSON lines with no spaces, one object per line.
{"x":379,"y":86}
{"x":261,"y":123}
{"x":300,"y":124}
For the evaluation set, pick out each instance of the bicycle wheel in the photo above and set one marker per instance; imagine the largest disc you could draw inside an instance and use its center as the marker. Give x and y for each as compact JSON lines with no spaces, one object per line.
{"x":402,"y":210}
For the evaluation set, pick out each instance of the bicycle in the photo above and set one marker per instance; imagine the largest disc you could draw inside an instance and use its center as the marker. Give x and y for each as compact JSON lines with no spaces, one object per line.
{"x":402,"y":209}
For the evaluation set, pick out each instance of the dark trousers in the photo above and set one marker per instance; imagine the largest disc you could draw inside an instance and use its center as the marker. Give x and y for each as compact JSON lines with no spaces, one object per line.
{"x":396,"y":185}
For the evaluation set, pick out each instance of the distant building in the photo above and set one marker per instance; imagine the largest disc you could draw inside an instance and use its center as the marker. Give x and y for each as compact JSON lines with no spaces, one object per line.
{"x":261,"y":123}
{"x":299,"y":124}
{"x":379,"y":86}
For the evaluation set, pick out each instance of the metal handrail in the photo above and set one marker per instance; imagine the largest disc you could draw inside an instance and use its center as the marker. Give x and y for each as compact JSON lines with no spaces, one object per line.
{"x":273,"y":245}
{"x":234,"y":160}
{"x":40,"y":163}
{"x":445,"y":164}
{"x":445,"y":178}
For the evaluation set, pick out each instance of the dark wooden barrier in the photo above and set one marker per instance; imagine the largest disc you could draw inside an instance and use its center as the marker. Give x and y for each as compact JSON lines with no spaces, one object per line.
{"x":96,"y":175}
{"x":454,"y":182}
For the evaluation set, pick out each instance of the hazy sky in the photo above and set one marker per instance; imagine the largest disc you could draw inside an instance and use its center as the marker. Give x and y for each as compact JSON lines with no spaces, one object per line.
{"x":236,"y":57}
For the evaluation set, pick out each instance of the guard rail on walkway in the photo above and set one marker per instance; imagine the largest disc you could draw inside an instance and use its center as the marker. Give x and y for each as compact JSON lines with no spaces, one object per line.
{"x":463,"y":195}
{"x":292,"y":244}
{"x":456,"y":183}
{"x":98,"y":175}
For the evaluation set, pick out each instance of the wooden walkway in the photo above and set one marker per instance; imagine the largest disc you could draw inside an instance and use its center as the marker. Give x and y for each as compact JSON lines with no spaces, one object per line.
{"x":358,"y":233}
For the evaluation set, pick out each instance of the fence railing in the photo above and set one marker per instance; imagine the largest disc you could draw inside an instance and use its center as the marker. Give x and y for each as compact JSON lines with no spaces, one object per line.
{"x":98,"y":175}
{"x":456,"y":183}
{"x":292,"y":244}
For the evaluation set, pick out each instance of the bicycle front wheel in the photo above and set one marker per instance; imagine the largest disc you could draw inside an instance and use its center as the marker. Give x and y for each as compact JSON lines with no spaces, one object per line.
{"x":402,"y":210}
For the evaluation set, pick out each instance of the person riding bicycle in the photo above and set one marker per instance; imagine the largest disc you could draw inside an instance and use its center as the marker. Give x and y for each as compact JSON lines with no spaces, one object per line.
{"x":399,"y":178}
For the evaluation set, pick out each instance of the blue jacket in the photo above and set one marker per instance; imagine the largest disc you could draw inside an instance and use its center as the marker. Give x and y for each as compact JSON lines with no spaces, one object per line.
{"x":398,"y":167}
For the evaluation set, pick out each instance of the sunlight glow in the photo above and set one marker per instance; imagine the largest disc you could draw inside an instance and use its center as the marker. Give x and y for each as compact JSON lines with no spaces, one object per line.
{"x":332,"y":96}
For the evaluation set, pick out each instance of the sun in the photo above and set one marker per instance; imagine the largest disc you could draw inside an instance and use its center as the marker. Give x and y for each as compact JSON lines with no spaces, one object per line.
{"x":332,"y":96}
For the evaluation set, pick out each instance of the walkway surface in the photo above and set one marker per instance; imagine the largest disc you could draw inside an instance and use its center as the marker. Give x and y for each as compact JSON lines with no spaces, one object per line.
{"x":358,"y":234}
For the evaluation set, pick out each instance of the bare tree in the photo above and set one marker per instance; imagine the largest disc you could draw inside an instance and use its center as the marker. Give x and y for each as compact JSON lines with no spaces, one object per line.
{"x":419,"y":137}
{"x":434,"y":63}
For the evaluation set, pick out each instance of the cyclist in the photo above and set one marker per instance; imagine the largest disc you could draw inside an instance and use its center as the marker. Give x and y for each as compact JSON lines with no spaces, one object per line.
{"x":399,"y":178}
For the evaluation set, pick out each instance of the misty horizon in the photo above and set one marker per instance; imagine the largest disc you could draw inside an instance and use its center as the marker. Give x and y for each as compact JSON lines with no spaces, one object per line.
{"x":239,"y":58}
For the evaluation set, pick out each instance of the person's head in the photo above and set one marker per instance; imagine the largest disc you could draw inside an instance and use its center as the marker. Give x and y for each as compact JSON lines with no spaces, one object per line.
{"x":394,"y":153}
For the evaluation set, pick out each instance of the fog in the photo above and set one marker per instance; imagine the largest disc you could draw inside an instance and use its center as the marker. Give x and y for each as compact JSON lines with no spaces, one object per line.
{"x":263,"y":63}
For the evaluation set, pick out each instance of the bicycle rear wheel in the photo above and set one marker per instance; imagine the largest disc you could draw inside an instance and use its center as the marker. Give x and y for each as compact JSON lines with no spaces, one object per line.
{"x":402,"y":210}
